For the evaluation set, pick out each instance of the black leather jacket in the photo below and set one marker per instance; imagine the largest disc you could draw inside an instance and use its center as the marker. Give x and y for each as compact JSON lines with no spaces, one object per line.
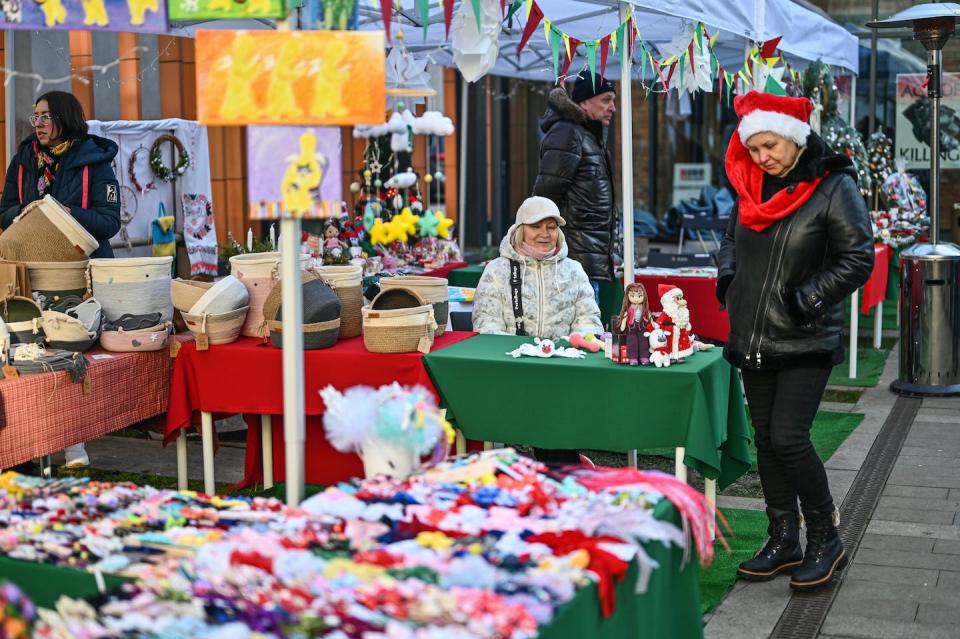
{"x":785,"y":286}
{"x":575,"y":172}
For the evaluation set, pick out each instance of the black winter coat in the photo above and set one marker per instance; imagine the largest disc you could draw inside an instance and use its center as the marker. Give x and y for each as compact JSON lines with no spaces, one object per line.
{"x":101,"y":218}
{"x":575,"y":172}
{"x":788,"y":283}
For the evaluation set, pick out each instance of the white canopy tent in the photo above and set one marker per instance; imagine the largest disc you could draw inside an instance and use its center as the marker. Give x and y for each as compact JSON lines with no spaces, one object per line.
{"x":667,"y":26}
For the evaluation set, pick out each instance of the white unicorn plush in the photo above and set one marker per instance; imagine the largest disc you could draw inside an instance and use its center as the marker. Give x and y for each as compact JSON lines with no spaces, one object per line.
{"x":545,"y":348}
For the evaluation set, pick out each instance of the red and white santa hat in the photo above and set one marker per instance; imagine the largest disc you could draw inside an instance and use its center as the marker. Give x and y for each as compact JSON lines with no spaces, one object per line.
{"x":785,"y":116}
{"x":668,"y":293}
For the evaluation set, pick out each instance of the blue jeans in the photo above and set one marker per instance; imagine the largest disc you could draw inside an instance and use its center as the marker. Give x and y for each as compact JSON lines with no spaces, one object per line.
{"x":596,"y":290}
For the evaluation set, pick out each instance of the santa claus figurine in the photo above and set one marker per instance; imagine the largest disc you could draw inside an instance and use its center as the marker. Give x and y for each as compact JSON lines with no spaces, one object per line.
{"x":675,"y":321}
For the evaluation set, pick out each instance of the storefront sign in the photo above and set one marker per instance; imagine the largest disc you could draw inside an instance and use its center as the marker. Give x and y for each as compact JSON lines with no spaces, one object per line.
{"x":913,"y":121}
{"x":689,"y":179}
{"x":290,"y":77}
{"x":86,"y":15}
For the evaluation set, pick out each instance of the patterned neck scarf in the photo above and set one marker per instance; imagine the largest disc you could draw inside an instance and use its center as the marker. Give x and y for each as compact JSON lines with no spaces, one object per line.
{"x":48,"y":161}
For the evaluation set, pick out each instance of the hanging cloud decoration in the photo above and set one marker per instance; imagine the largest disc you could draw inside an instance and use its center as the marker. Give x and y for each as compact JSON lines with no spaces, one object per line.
{"x":433,"y":123}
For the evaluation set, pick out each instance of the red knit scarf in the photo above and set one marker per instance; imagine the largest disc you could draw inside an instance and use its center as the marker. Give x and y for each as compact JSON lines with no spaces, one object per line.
{"x":747,"y":180}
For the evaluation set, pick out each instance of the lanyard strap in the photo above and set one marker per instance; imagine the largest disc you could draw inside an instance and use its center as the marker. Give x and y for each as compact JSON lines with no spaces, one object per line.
{"x":516,"y":295}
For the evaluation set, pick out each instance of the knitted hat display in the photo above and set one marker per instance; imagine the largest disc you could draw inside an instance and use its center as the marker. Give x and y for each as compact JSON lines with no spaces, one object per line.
{"x":764,"y":112}
{"x":585,"y":87}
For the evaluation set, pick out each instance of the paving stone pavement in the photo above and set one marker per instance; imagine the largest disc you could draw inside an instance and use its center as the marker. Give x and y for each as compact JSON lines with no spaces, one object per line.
{"x":904,"y":578}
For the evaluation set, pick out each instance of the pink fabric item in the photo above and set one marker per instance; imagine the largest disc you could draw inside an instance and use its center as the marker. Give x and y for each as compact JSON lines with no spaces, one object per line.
{"x":532,"y":251}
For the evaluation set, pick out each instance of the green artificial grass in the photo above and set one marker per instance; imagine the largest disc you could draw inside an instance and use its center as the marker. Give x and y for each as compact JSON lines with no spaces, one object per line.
{"x":870,"y":363}
{"x":748,"y":531}
{"x":842,"y":396}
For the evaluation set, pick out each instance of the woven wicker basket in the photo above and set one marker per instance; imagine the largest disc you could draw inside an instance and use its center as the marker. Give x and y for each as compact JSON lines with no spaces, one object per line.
{"x":134,"y":285}
{"x":432,"y":290}
{"x":185,"y":293}
{"x":220,"y":328}
{"x":347,"y":281}
{"x":46,"y":232}
{"x":398,"y":321}
{"x":258,"y":272}
{"x":54,"y":280}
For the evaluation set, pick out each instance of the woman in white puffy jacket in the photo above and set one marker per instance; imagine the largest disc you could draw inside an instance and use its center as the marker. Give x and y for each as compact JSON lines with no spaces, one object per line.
{"x":555,"y":296}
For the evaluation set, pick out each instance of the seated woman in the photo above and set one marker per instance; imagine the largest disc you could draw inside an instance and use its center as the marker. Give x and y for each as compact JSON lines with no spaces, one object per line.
{"x":555,"y":297}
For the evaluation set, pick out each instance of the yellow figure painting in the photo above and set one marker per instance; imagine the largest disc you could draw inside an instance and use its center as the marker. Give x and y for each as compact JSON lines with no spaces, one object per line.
{"x":54,"y":12}
{"x":258,"y":7}
{"x":282,"y":102}
{"x":139,"y":8}
{"x":95,"y":13}
{"x":329,"y":81}
{"x":303,"y":175}
{"x":219,"y":5}
{"x":238,"y":100}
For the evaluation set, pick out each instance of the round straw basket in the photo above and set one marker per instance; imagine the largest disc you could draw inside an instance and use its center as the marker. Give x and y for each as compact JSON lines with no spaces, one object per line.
{"x":221,"y":328}
{"x":185,"y":293}
{"x":54,"y":280}
{"x":398,"y":321}
{"x":258,"y":272}
{"x":135,"y":285}
{"x":46,"y":232}
{"x":347,"y":282}
{"x":432,"y":290}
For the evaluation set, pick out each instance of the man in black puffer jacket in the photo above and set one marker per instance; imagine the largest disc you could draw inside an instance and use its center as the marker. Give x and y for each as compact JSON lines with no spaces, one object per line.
{"x":575,"y":171}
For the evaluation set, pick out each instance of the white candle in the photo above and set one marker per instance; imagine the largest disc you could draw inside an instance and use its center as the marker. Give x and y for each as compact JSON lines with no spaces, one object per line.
{"x":250,"y":239}
{"x":273,"y":236}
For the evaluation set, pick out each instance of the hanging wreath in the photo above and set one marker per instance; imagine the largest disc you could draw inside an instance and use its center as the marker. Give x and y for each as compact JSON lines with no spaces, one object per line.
{"x":132,"y":173}
{"x":162,"y":171}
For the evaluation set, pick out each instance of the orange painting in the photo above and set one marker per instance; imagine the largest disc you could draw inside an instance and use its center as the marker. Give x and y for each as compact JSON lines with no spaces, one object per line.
{"x":290,"y":77}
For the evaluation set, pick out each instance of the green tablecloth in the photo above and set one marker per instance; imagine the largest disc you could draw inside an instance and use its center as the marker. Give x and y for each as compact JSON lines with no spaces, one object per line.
{"x":468,"y":276}
{"x":594,"y":403}
{"x":669,"y":608}
{"x":44,"y":583}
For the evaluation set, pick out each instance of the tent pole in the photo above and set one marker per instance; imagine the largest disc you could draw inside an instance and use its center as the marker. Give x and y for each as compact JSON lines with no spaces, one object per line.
{"x":626,"y":157}
{"x":462,"y":138}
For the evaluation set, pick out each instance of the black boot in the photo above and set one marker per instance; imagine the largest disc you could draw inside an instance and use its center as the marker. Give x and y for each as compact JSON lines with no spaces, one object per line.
{"x":824,"y":554}
{"x":781,"y":553}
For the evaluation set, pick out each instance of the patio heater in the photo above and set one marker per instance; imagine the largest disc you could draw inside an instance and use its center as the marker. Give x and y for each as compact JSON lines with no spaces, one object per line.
{"x":929,"y":272}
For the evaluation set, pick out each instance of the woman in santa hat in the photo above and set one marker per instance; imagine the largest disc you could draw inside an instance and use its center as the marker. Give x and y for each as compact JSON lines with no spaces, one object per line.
{"x":798,"y":244}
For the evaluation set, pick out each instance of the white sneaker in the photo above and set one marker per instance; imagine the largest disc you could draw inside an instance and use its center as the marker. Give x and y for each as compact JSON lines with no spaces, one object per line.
{"x":76,"y":456}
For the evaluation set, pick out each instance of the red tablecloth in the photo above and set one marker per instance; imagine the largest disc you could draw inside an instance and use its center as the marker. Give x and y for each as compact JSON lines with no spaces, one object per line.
{"x":43,"y":413}
{"x":246,"y":377}
{"x":875,"y":290}
{"x":444,"y":271}
{"x":708,"y":320}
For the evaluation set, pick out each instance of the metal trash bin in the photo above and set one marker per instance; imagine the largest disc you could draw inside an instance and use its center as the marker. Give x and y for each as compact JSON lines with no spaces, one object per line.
{"x":929,"y":321}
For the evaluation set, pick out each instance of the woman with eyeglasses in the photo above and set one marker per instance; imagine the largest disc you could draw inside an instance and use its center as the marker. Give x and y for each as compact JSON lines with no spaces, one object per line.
{"x":62,"y":160}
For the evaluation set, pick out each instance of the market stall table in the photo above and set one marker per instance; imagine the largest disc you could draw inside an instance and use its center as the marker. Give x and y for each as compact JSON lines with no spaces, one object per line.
{"x":593,"y":403}
{"x":670,"y":607}
{"x":43,"y":413}
{"x":246,"y":377}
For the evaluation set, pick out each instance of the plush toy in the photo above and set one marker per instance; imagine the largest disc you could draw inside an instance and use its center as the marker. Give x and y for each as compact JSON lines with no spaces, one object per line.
{"x":545,"y":348}
{"x":658,"y":347}
{"x":634,"y":320}
{"x":586,"y":341}
{"x":677,"y":321}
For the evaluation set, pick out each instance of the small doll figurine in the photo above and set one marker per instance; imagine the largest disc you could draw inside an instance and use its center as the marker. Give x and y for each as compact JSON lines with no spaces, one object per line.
{"x":635,"y":320}
{"x":332,"y":243}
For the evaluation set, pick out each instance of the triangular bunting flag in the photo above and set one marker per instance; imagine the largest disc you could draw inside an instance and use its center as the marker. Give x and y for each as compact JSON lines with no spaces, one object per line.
{"x":714,"y":65}
{"x":530,"y":4}
{"x":514,"y":8}
{"x":423,"y":8}
{"x":673,"y":67}
{"x":533,"y":19}
{"x":604,"y":47}
{"x":698,"y":36}
{"x":476,"y":11}
{"x":713,"y":39}
{"x":614,"y":40}
{"x":572,"y":44}
{"x":503,"y":8}
{"x":447,"y":14}
{"x":547,"y":28}
{"x":632,"y":34}
{"x":591,"y":48}
{"x":621,"y":39}
{"x":566,"y":44}
{"x":386,"y":10}
{"x":774,"y":87}
{"x":770,"y":47}
{"x":555,"y":43}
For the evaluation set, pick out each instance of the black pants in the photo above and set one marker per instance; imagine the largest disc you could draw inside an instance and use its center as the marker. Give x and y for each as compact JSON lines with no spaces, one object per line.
{"x":783,"y":404}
